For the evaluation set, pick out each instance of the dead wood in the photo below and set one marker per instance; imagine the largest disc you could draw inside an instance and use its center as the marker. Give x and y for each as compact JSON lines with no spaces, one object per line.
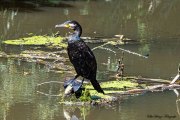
{"x":150,"y":80}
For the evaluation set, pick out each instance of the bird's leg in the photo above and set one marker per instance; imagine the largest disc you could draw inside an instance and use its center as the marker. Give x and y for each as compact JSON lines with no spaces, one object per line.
{"x":82,"y":82}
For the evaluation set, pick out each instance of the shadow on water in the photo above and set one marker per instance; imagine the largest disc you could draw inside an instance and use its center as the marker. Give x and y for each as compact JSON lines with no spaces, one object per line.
{"x":31,"y":5}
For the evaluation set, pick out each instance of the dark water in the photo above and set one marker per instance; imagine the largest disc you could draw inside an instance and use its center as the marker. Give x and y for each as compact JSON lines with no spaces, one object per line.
{"x":155,"y":23}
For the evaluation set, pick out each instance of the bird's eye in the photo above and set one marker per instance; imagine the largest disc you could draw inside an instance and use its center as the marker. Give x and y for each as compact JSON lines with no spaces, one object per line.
{"x":67,"y":25}
{"x":72,"y":25}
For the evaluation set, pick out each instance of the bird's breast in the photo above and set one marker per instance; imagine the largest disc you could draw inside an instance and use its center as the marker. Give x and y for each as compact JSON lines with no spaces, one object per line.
{"x":75,"y":50}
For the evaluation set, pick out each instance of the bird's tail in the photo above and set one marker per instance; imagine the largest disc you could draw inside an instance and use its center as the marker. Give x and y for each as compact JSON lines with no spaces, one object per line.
{"x":97,"y":86}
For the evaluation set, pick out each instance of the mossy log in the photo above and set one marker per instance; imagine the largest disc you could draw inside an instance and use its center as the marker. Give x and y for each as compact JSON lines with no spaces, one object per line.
{"x":91,"y":96}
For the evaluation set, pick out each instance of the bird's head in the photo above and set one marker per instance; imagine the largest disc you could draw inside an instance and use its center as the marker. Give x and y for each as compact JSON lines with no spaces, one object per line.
{"x":71,"y":24}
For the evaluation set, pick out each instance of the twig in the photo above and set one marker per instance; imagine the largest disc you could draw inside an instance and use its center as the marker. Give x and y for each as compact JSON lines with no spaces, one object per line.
{"x":100,"y":46}
{"x":108,"y":49}
{"x":50,"y":82}
{"x":113,"y":43}
{"x":177,"y":101}
{"x":47,"y":94}
{"x":150,"y":80}
{"x":176,"y":92}
{"x":120,"y":70}
{"x":177,"y":76}
{"x":177,"y":106}
{"x":134,"y":53}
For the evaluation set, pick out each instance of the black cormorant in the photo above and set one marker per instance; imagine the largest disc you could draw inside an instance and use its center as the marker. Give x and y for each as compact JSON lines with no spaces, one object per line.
{"x":81,"y":55}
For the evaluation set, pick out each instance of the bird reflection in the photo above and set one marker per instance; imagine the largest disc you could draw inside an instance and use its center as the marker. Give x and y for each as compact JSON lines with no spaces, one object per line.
{"x":68,"y":116}
{"x":76,"y":113}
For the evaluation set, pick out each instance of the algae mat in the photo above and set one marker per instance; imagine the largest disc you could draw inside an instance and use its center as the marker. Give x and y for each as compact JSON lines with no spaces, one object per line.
{"x":38,"y":40}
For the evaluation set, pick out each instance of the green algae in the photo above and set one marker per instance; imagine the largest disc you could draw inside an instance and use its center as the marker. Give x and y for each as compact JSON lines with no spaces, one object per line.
{"x":38,"y":40}
{"x":114,"y":86}
{"x":111,"y":87}
{"x":86,"y":96}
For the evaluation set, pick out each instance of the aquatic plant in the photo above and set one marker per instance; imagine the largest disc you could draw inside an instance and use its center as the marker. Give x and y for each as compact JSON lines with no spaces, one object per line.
{"x":111,"y":87}
{"x":85,"y":95}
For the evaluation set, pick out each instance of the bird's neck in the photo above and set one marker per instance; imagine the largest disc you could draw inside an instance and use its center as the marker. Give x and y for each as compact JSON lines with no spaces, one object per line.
{"x":78,"y":31}
{"x":75,"y":36}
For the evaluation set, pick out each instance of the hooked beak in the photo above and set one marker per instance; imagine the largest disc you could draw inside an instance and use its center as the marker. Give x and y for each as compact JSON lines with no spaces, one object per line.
{"x":62,"y":25}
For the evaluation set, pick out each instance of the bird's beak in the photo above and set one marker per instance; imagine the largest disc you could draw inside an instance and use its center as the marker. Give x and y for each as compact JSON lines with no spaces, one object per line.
{"x":62,"y":25}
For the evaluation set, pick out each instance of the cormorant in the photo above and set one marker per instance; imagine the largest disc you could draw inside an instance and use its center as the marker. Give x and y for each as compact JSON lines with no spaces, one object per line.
{"x":81,"y":55}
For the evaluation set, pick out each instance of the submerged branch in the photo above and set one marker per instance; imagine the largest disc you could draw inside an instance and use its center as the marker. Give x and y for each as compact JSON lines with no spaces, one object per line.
{"x":131,"y":52}
{"x":150,"y":80}
{"x":177,"y":76}
{"x":47,"y":94}
{"x":122,"y":49}
{"x":50,"y":82}
{"x":154,"y":88}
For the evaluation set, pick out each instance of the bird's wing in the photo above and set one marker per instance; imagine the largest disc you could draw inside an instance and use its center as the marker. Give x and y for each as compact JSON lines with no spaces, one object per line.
{"x":90,"y":61}
{"x":84,"y":63}
{"x":91,"y":64}
{"x":83,"y":59}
